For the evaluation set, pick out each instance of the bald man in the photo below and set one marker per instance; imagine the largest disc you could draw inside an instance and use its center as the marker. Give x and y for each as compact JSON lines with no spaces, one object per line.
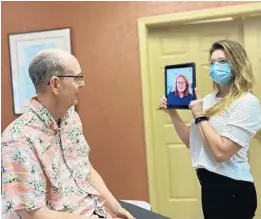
{"x":46,"y":171}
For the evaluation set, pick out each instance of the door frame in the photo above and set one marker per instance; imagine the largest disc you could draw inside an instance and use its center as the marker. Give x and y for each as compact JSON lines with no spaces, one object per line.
{"x":144,"y":24}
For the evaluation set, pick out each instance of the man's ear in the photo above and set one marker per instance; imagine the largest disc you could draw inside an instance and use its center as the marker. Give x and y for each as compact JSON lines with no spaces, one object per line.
{"x":54,"y":84}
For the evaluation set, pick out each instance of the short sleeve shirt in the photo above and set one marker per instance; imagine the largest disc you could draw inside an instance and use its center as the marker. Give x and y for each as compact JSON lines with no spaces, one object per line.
{"x":47,"y":165}
{"x":239,"y":123}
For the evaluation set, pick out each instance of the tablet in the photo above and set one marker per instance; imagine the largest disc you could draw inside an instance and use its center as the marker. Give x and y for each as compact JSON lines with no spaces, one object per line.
{"x":180,"y":83}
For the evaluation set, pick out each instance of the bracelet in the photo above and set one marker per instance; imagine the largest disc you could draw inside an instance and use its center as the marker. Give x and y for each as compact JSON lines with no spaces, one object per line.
{"x":200,"y":115}
{"x":200,"y":119}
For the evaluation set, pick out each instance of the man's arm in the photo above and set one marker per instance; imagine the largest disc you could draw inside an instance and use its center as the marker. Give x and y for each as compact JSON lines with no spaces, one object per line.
{"x":98,"y":183}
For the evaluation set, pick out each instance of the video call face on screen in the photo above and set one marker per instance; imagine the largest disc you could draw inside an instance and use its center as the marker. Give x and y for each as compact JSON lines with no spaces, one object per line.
{"x":179,"y":85}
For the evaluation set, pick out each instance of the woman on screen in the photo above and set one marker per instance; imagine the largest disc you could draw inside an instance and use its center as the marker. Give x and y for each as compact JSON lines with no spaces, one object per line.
{"x":181,"y":95}
{"x":218,"y":137}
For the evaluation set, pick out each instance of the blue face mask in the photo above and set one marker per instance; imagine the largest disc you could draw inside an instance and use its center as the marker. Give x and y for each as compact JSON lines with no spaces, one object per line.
{"x":221,"y":73}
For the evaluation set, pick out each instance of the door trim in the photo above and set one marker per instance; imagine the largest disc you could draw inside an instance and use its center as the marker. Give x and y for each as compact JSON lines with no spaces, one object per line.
{"x":238,"y":11}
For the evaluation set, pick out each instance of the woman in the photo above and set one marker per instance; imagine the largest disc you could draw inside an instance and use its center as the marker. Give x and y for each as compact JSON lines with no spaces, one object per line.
{"x":218,"y":138}
{"x":181,"y":95}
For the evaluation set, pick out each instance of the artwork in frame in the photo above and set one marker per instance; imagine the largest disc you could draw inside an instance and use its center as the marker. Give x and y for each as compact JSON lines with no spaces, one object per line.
{"x":23,"y":47}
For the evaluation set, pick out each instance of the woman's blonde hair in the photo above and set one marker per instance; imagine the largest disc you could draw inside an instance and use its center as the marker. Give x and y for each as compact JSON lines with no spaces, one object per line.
{"x":241,"y":70}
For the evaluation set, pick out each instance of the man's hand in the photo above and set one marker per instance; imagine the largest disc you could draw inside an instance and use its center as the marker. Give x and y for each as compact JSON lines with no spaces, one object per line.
{"x":124,"y":214}
{"x":97,"y":217}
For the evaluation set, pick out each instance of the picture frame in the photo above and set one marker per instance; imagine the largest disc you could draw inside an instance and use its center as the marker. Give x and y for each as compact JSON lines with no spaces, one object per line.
{"x":180,"y":83}
{"x":22,"y":48}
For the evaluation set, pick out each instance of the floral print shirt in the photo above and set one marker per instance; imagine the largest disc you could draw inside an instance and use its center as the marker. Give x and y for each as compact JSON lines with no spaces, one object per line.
{"x":44,"y":164}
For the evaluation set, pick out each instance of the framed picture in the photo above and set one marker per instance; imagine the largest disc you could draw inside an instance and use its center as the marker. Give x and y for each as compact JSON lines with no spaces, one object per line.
{"x":23,"y":47}
{"x":180,"y":82}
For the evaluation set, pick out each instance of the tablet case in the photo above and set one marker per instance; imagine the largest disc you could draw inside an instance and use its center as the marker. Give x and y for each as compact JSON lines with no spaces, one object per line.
{"x":177,"y":66}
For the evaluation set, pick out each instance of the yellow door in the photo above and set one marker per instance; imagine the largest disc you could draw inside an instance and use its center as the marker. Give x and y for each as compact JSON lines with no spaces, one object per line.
{"x":177,"y":188}
{"x":252,"y":34}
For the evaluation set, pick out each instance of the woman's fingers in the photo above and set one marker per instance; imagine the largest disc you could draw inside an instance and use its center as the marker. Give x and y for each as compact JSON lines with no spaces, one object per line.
{"x":197,"y":94}
{"x":163,"y":104}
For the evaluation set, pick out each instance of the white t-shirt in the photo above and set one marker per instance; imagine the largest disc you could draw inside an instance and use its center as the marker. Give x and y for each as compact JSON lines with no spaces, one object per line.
{"x":239,"y":123}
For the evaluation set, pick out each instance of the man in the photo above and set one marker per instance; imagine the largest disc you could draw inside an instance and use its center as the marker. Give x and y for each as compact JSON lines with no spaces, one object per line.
{"x":46,"y":172}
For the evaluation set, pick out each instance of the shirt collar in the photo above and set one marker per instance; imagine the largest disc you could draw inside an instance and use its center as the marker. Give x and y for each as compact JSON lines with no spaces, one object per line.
{"x":44,"y":114}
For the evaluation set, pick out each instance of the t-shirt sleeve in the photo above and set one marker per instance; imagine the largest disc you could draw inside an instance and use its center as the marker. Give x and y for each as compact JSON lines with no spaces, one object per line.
{"x":23,"y":180}
{"x":244,"y":121}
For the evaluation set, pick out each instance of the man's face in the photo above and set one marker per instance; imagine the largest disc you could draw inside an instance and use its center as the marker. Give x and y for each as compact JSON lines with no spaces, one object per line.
{"x":70,"y":83}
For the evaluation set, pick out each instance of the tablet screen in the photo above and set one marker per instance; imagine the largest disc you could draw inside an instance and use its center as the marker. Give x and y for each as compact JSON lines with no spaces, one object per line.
{"x":180,"y":81}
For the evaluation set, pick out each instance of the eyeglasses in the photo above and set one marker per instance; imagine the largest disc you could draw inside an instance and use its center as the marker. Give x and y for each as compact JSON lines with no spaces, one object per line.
{"x":221,"y":61}
{"x":77,"y":78}
{"x":181,"y":82}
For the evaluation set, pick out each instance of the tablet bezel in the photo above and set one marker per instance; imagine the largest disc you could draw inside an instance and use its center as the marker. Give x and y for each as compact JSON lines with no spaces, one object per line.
{"x":176,"y":66}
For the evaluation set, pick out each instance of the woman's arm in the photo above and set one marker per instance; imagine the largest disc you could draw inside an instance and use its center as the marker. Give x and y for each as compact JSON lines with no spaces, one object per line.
{"x":221,"y":147}
{"x":181,"y":128}
{"x":242,"y":124}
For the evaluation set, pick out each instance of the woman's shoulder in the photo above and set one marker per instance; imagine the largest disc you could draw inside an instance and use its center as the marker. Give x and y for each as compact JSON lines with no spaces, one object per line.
{"x":246,"y":105}
{"x":247,"y":99}
{"x":190,"y":95}
{"x":246,"y":111}
{"x":171,"y":94}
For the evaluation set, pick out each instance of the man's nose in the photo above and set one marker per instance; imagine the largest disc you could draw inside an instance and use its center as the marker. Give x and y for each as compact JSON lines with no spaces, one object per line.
{"x":82,"y":84}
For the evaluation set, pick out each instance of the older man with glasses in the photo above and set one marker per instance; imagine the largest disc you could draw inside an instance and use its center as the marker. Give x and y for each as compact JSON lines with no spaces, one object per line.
{"x":46,"y":172}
